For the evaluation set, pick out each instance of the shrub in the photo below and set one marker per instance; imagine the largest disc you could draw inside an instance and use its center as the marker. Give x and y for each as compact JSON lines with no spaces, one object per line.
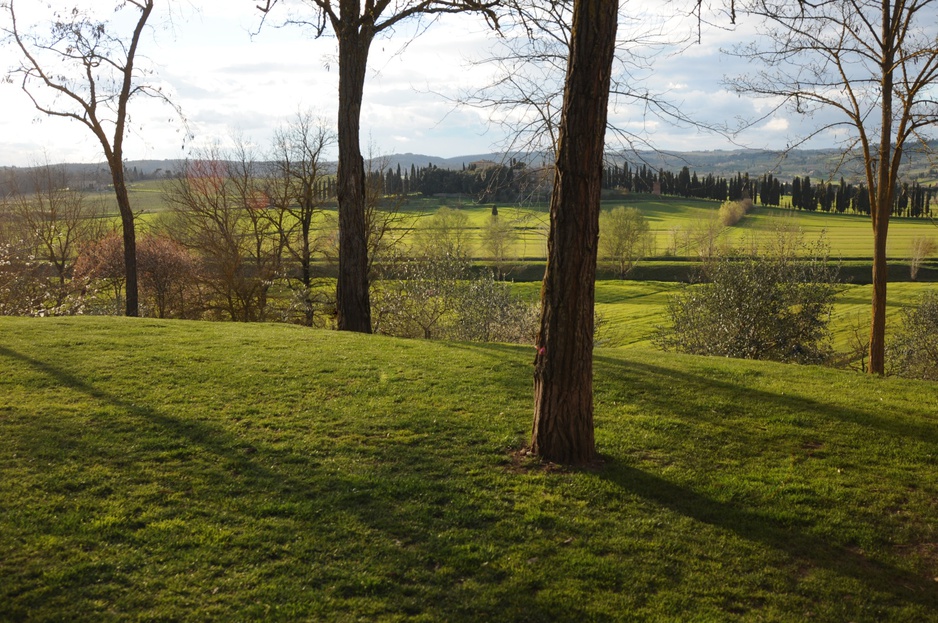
{"x":99,"y":269}
{"x":167,"y":274}
{"x":27,"y":286}
{"x":774,"y":306}
{"x":914,"y":351}
{"x":487,"y":311}
{"x":438,"y":298}
{"x":732,"y":212}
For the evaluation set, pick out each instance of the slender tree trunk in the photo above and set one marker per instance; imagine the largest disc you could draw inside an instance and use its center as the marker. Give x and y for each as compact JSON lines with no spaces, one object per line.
{"x":306,"y":275}
{"x":353,"y":304}
{"x":880,"y":277}
{"x":563,"y":366}
{"x":131,"y":307}
{"x":880,"y":208}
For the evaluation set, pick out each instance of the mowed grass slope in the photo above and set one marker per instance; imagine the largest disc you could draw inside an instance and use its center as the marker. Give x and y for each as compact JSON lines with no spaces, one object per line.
{"x":198,"y":471}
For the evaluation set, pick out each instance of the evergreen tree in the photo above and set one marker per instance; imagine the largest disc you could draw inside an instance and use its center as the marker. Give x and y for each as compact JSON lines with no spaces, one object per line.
{"x":683,"y":185}
{"x":796,"y":193}
{"x":808,"y":200}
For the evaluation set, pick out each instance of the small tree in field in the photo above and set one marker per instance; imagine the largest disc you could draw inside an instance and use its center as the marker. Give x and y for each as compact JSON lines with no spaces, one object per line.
{"x":498,"y":235}
{"x":922,"y":247}
{"x":445,"y":233}
{"x":624,"y":236}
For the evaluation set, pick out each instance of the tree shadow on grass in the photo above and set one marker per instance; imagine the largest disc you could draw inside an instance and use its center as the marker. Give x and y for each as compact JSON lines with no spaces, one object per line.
{"x":664,"y":380}
{"x":659,"y":385}
{"x":361,"y":507}
{"x":804,"y":549}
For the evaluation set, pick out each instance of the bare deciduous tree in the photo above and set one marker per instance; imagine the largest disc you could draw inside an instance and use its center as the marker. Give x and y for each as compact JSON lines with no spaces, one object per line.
{"x":525,"y":94}
{"x":84,"y":69}
{"x":296,"y":193}
{"x":875,"y":64}
{"x":51,"y":218}
{"x":220,"y":211}
{"x":355,"y":25}
{"x":922,"y":247}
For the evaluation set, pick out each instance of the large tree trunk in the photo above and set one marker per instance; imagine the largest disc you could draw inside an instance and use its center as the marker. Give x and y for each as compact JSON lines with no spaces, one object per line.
{"x":563,"y":365}
{"x":353,"y":305}
{"x":130,"y":240}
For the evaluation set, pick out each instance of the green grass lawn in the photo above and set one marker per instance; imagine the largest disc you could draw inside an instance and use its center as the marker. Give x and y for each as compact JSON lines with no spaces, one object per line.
{"x":219,"y":471}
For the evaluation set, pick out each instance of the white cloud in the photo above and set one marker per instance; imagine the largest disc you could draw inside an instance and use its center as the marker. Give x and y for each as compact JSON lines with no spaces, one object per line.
{"x":777,"y":124}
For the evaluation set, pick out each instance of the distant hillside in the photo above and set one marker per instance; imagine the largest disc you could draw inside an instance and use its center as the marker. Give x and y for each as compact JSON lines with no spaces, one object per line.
{"x":814,"y":163}
{"x":817,"y":163}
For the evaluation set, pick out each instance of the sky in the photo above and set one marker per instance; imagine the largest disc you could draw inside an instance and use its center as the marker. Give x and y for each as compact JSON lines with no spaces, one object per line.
{"x":232,"y":77}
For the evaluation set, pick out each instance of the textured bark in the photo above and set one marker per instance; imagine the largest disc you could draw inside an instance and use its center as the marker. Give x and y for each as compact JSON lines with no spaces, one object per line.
{"x":352,"y":300}
{"x":563,"y":366}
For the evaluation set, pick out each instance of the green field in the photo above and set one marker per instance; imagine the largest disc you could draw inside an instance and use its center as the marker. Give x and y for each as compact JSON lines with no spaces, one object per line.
{"x":850,"y":236}
{"x":631,"y":312}
{"x":171,"y":470}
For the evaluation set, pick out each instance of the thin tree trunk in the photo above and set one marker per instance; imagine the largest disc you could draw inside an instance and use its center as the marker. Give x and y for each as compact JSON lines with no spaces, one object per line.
{"x":353,"y":304}
{"x":883,"y":201}
{"x":563,"y":366}
{"x":131,"y":305}
{"x":880,"y":277}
